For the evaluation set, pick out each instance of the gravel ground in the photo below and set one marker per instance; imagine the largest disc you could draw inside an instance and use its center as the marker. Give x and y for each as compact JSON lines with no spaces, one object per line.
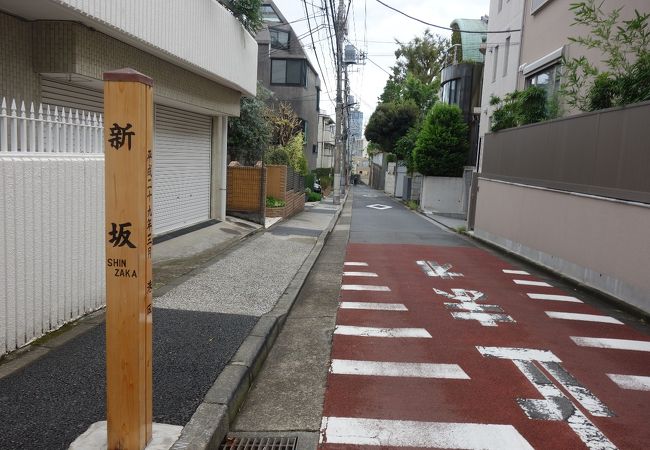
{"x":249,"y":280}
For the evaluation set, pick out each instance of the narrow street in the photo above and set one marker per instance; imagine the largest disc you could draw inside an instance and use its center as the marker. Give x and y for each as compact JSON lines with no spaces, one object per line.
{"x":440,"y":343}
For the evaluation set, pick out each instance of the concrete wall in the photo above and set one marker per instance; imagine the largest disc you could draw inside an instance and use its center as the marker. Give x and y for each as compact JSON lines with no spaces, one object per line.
{"x":17,"y":79}
{"x":389,"y":180}
{"x":600,"y":242}
{"x":442,"y":195}
{"x":501,"y":79}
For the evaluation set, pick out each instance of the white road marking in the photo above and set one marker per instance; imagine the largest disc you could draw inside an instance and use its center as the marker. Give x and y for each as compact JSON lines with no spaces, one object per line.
{"x":373,"y":306}
{"x":556,"y":405}
{"x":433,"y":269}
{"x":408,"y":433}
{"x":355,"y":263}
{"x":521,"y":354}
{"x":348,"y":330}
{"x":583,"y":317}
{"x":379,"y":206}
{"x":516,"y":272}
{"x":397,"y":369}
{"x":364,"y":287}
{"x":532,"y":283}
{"x":558,"y":298}
{"x":485,"y":319}
{"x":360,"y":274}
{"x":632,"y":382}
{"x":462,"y":295}
{"x":617,"y":344}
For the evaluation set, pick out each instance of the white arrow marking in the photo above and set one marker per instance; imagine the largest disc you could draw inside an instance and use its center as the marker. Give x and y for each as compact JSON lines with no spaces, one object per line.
{"x":462,"y":295}
{"x":433,"y":269}
{"x":485,"y":319}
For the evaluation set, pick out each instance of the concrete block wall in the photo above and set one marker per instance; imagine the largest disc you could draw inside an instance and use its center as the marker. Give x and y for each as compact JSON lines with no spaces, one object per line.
{"x":17,"y":78}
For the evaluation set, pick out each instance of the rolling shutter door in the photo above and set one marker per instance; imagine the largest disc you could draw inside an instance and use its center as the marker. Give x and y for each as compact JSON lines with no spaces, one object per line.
{"x":182,"y":154}
{"x":57,"y":93}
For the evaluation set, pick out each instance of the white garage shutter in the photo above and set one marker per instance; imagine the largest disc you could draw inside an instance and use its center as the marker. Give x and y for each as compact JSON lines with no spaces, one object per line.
{"x":182,"y":153}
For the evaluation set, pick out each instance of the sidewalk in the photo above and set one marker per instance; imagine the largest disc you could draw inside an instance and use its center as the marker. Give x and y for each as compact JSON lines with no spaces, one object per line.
{"x":212,"y":303}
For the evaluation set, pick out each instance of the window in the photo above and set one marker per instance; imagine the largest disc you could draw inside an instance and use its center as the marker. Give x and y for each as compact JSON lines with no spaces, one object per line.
{"x":317,"y":99}
{"x":269,"y":14}
{"x":279,"y":39}
{"x":547,"y":78}
{"x":537,"y":4}
{"x":303,"y":128}
{"x":289,"y":71}
{"x":450,"y":92}
{"x":496,"y":63}
{"x":505,"y":57}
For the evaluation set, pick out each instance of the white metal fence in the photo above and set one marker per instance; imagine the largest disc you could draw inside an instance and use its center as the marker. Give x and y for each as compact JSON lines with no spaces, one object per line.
{"x":51,"y":219}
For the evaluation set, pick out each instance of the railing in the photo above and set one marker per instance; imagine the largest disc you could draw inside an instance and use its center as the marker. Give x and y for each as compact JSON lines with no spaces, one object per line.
{"x":51,"y":220}
{"x":48,"y":130}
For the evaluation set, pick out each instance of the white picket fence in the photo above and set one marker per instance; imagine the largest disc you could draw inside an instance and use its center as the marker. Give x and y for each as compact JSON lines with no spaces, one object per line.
{"x":51,"y":220}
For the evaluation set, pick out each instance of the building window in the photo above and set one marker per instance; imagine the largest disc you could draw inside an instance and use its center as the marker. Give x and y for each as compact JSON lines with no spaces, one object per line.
{"x":269,"y":14}
{"x":496,"y":63}
{"x":289,"y":71}
{"x":317,"y":99}
{"x":303,"y":128}
{"x":537,"y":4}
{"x":547,"y":78}
{"x":279,"y":39}
{"x":505,"y":57}
{"x":450,"y":92}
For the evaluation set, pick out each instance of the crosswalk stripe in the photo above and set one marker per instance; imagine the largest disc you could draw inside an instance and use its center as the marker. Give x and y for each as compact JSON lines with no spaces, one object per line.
{"x":532,"y":283}
{"x":617,"y":344}
{"x":360,"y":274}
{"x":364,"y":287}
{"x":348,"y":330}
{"x":558,"y":298}
{"x":515,"y":272}
{"x":374,"y":306}
{"x":398,"y":369}
{"x":355,"y":263}
{"x":582,"y":317}
{"x":632,"y":382}
{"x":407,"y":433}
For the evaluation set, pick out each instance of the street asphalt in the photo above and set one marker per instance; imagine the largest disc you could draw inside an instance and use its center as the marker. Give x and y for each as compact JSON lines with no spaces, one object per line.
{"x":200,"y":321}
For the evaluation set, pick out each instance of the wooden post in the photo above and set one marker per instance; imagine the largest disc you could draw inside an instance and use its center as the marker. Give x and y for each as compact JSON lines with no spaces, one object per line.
{"x":128,"y":140}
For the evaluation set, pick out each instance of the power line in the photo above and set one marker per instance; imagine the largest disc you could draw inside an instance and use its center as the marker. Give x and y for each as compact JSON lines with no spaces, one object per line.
{"x":440,"y":26}
{"x":311,"y":34}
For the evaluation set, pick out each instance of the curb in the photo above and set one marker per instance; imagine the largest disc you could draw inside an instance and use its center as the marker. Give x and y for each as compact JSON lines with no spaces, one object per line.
{"x":211,"y":421}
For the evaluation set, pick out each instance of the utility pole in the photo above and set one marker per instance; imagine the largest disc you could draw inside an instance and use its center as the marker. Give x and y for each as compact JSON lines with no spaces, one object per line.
{"x":339,"y":29}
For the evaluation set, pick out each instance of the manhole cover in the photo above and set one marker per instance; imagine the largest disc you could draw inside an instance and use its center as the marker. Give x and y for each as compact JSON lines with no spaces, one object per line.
{"x":259,"y":443}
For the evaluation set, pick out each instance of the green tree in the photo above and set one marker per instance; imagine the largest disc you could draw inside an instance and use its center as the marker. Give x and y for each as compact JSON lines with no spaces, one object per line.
{"x":290,"y":155}
{"x":416,"y":73}
{"x":248,"y":12}
{"x":521,"y":108}
{"x":284,"y":122}
{"x":441,"y":147}
{"x":625,"y":49}
{"x":249,"y":134}
{"x":389,"y":122}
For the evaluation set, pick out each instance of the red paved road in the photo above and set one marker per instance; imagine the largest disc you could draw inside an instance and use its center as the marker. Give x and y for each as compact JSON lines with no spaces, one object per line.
{"x":491,"y":394}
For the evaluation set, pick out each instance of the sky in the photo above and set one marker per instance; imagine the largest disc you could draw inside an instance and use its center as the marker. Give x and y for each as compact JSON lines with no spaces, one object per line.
{"x":372,"y":28}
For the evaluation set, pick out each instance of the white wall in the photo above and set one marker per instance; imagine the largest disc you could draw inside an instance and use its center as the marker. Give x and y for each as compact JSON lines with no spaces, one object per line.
{"x":52,"y":242}
{"x":600,"y":242}
{"x":199,"y":35}
{"x":509,"y":18}
{"x":389,"y":183}
{"x":442,"y":195}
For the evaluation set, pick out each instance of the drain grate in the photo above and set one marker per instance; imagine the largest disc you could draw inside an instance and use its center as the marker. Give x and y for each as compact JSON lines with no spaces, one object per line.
{"x":259,"y":443}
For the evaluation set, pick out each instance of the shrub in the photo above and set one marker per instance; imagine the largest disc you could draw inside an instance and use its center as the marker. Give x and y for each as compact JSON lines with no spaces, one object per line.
{"x":441,"y":147}
{"x":276,"y":155}
{"x":313,"y":196}
{"x":272,"y":202}
{"x":520,"y":108}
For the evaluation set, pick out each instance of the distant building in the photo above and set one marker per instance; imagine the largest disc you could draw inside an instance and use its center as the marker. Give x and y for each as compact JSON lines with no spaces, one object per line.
{"x":284,"y":69}
{"x":461,"y":80}
{"x":325,"y":157}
